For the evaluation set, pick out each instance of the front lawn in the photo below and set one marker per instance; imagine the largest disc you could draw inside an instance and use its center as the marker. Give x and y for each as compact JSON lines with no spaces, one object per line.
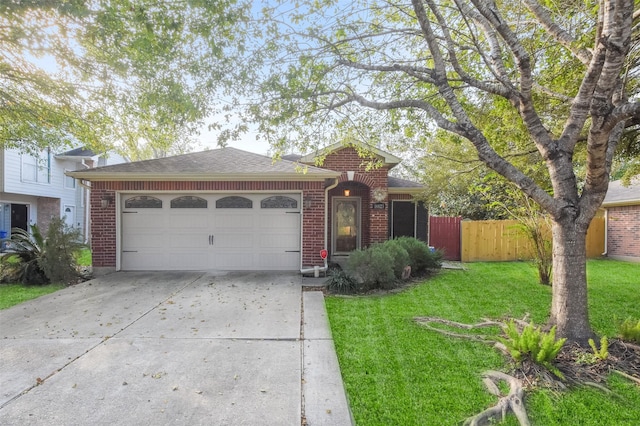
{"x":398,"y":373}
{"x":12,"y":294}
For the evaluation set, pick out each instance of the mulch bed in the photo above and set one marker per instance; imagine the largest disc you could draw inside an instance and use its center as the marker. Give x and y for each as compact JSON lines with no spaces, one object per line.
{"x":579,"y":367}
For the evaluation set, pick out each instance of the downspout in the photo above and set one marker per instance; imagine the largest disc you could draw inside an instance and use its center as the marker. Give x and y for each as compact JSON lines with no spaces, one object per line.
{"x":87,"y":206}
{"x":606,"y":233}
{"x":317,"y":269}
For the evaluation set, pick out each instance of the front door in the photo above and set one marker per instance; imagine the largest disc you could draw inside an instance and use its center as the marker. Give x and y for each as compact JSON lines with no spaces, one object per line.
{"x":19,"y":217}
{"x":346,"y":224}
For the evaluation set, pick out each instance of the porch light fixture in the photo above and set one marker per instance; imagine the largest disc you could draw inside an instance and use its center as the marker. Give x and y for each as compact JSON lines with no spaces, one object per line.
{"x":306,"y":202}
{"x":347,"y":192}
{"x":105,"y":201}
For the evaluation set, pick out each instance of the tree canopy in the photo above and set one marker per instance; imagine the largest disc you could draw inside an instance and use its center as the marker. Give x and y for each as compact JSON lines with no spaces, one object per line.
{"x":137,"y":75}
{"x":555,"y":82}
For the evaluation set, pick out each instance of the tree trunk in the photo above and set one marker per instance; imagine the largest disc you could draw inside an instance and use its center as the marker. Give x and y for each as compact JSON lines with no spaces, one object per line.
{"x":569,"y":308}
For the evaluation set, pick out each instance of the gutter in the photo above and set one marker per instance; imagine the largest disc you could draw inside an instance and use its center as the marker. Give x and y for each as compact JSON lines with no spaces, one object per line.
{"x":317,"y":269}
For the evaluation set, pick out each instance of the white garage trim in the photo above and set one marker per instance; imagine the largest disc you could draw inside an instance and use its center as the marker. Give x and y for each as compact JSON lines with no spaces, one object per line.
{"x":209,"y":230}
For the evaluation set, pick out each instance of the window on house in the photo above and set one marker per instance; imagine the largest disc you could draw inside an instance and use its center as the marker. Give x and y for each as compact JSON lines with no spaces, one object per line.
{"x":143,"y":202}
{"x":188,"y":202}
{"x":279,"y":202}
{"x":234,"y":202}
{"x":37,"y":168}
{"x":69,"y":182}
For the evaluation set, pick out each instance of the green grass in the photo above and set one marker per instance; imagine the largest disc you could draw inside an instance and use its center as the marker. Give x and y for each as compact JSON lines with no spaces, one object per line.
{"x":13,"y":294}
{"x":397,"y":373}
{"x":83,"y":257}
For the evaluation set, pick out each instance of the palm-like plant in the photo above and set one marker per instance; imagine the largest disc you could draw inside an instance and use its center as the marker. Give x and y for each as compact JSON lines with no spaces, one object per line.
{"x":34,"y":259}
{"x":21,"y":261}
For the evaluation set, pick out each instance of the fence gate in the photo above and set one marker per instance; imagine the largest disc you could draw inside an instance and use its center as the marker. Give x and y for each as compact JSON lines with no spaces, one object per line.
{"x":444,"y":234}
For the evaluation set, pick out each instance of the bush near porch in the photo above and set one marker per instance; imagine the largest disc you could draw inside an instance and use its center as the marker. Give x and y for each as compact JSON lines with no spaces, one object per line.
{"x":396,"y":372}
{"x":383,"y":266}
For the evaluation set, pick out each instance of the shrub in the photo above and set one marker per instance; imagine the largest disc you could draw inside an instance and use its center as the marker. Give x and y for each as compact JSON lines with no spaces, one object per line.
{"x":421,"y":258}
{"x":59,"y":260}
{"x":534,"y":344}
{"x":399,"y":254}
{"x":342,"y":283}
{"x":372,"y":268}
{"x":34,"y":259}
{"x":629,"y":330}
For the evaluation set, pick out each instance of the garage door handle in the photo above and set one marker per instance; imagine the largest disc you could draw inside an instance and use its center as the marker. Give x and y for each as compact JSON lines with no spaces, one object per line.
{"x":210,"y":240}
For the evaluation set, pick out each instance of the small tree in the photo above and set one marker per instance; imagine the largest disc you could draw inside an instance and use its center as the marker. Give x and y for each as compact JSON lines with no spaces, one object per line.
{"x":533,"y":223}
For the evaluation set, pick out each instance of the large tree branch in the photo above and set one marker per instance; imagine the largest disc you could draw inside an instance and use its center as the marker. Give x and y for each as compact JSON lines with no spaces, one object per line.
{"x":559,"y":33}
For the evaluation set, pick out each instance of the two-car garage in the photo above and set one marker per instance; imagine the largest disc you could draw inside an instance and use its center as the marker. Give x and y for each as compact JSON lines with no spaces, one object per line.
{"x":200,"y":231}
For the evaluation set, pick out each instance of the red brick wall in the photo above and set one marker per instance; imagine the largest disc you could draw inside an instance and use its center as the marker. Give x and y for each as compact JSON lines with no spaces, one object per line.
{"x":103,"y":220}
{"x":375,"y":223}
{"x":623,"y":231}
{"x":48,"y":208}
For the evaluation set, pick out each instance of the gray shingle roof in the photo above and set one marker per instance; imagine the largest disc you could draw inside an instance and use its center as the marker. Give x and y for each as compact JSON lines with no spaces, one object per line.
{"x":78,"y":152}
{"x":224,"y":163}
{"x":622,"y":195}
{"x":395,"y":182}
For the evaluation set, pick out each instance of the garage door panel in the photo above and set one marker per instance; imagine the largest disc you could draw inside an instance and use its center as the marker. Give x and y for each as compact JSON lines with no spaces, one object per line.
{"x":279,"y":221}
{"x":233,"y":240}
{"x":144,"y":220}
{"x":137,"y":240}
{"x":188,"y":240}
{"x":257,"y":238}
{"x":186,"y":221}
{"x":275,"y":241}
{"x":234,"y":261}
{"x":241,"y":220}
{"x":144,"y":261}
{"x":189,"y":261}
{"x":277,"y":261}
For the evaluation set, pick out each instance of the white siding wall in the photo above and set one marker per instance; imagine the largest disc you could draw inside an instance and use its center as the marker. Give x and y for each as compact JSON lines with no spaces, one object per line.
{"x":16,"y":190}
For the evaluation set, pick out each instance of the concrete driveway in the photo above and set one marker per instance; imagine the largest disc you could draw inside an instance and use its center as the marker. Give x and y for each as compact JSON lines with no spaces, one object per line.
{"x":179,"y":348}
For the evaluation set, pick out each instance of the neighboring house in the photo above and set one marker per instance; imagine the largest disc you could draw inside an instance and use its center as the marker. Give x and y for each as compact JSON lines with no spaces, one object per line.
{"x":622,"y":221}
{"x":34,"y":188}
{"x":233,"y":210}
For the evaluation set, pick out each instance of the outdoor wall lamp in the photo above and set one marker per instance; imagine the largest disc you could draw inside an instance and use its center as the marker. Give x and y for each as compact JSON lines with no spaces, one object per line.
{"x":105,"y":201}
{"x":306,"y":202}
{"x":347,"y":192}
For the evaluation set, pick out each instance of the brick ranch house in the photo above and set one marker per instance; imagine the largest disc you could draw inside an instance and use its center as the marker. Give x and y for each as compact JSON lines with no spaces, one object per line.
{"x":622,"y":221}
{"x":229,"y":209}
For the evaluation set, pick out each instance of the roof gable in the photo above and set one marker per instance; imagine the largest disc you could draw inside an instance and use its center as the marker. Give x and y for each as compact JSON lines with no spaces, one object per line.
{"x":389,"y":160}
{"x":216,"y":164}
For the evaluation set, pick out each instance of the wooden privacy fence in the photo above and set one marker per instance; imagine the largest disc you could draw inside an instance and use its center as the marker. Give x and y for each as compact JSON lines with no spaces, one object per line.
{"x":500,"y":240}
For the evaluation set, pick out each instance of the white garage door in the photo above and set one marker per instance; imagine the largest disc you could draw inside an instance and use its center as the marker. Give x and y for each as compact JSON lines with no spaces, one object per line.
{"x":210,"y":231}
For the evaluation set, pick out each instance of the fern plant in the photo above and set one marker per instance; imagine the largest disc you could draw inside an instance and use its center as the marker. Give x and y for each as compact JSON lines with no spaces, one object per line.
{"x":603,"y":352}
{"x":533,"y":343}
{"x":629,"y":330}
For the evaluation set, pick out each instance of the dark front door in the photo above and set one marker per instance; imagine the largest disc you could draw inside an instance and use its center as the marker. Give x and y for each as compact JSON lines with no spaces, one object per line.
{"x":19,"y":217}
{"x":403,"y":219}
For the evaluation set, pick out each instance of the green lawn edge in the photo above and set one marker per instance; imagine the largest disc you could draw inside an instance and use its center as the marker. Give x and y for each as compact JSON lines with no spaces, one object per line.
{"x":398,"y":373}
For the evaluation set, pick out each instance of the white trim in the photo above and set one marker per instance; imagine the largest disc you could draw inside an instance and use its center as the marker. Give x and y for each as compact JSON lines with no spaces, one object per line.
{"x":389,"y":159}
